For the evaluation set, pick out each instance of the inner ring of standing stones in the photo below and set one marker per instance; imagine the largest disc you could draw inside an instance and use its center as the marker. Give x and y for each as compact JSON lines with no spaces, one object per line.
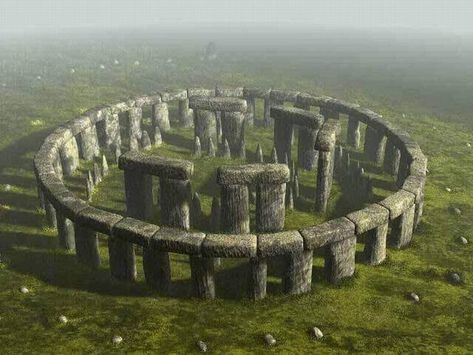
{"x":220,"y":118}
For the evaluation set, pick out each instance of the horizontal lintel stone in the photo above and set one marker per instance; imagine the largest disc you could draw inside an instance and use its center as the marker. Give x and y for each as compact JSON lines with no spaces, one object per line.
{"x":280,"y":243}
{"x":177,"y":240}
{"x":328,"y":232}
{"x":229,"y":245}
{"x":369,"y":217}
{"x":297,"y":116}
{"x":253,"y":174}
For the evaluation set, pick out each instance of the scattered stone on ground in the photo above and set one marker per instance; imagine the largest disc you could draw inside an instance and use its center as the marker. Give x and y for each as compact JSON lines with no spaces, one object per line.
{"x":202,"y":346}
{"x":468,"y":145}
{"x":73,"y":71}
{"x":448,"y":189}
{"x":116,"y":339}
{"x":463,"y":240}
{"x":454,"y":278}
{"x":316,"y":333}
{"x":414,"y":297}
{"x":102,"y":66}
{"x":269,"y":339}
{"x":38,"y":77}
{"x":24,"y":289}
{"x":7,"y":187}
{"x":457,"y":211}
{"x":116,"y":62}
{"x":62,"y":319}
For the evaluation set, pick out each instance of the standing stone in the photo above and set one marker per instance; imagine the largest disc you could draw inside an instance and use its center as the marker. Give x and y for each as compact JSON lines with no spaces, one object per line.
{"x":403,"y":169}
{"x":197,"y":147}
{"x":175,"y":196}
{"x":402,"y":228}
{"x":338,"y":160}
{"x":205,"y":127}
{"x":232,"y":130}
{"x":65,"y":230}
{"x":391,"y":158}
{"x":88,"y":143}
{"x":108,"y":131}
{"x":117,"y":153}
{"x":250,"y":112}
{"x":158,"y":139}
{"x":298,"y":274}
{"x":353,"y":132}
{"x":160,"y":116}
{"x":196,"y":210}
{"x":211,"y":148}
{"x":202,"y":274}
{"x":290,"y":199}
{"x":218,"y":123}
{"x":259,"y":154}
{"x":267,"y":108}
{"x":375,"y":245}
{"x":242,"y":153}
{"x":87,"y":246}
{"x":51,"y":215}
{"x":215,"y":215}
{"x":157,"y":269}
{"x":270,"y":207}
{"x":257,"y":278}
{"x":69,"y":154}
{"x":296,"y":186}
{"x":283,"y":132}
{"x":340,"y":260}
{"x":274,"y":156}
{"x":324,"y":180}
{"x":306,"y":154}
{"x":89,"y":187}
{"x":235,"y":216}
{"x":145,"y":140}
{"x":226,"y":150}
{"x":138,"y":195}
{"x":185,"y":113}
{"x":122,"y":259}
{"x":105,"y":169}
{"x":328,"y":113}
{"x":96,"y":174}
{"x":135,"y":115}
{"x":374,"y":145}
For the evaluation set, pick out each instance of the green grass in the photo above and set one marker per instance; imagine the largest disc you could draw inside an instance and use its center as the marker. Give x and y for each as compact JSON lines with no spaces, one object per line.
{"x":367,"y":314}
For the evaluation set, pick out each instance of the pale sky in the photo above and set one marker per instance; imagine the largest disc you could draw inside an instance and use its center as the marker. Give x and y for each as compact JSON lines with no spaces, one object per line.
{"x":53,"y":15}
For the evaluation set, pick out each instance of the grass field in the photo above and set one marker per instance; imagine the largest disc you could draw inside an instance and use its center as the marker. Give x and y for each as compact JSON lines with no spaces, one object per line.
{"x":367,"y":314}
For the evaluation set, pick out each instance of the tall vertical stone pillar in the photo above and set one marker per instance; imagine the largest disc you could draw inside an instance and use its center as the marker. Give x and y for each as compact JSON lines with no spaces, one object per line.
{"x":175,"y":196}
{"x":391,"y":158}
{"x":135,"y":116}
{"x":257,"y":277}
{"x":202,"y":275}
{"x":185,"y":113}
{"x":233,"y":130}
{"x":205,"y":127}
{"x":283,"y":132}
{"x":374,"y":145}
{"x":266,"y":113}
{"x":87,"y":246}
{"x":402,"y":228}
{"x":160,"y":116}
{"x":51,"y":215}
{"x":324,"y":180}
{"x":122,"y":259}
{"x":251,"y":111}
{"x":353,"y":132}
{"x":235,"y":215}
{"x":298,"y":274}
{"x":69,"y":154}
{"x":88,"y":143}
{"x":340,"y":259}
{"x":270,"y":207}
{"x":65,"y":230}
{"x":138,"y":194}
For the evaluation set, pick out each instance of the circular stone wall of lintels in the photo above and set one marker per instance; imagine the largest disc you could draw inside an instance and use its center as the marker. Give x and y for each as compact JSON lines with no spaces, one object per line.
{"x":220,"y":119}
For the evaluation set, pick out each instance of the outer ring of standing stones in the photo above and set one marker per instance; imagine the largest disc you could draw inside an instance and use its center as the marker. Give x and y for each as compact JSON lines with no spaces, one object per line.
{"x":78,"y":222}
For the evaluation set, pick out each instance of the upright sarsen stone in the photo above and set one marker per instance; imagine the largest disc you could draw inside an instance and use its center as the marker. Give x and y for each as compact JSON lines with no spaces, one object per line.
{"x":270,"y":207}
{"x":69,"y":154}
{"x":235,"y":215}
{"x":185,"y":113}
{"x":232,"y":130}
{"x":175,"y":197}
{"x":87,"y":246}
{"x":205,"y":127}
{"x":353,"y":132}
{"x":374,"y":145}
{"x":340,"y":259}
{"x":65,"y":229}
{"x":391,"y":158}
{"x":88,"y":143}
{"x":283,"y":132}
{"x":122,"y":259}
{"x":134,"y":117}
{"x":138,"y":194}
{"x":160,"y":116}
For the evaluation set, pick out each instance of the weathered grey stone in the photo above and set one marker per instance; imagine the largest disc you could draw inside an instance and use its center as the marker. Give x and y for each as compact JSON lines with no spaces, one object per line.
{"x":157,"y":268}
{"x":104,"y":167}
{"x":69,"y":154}
{"x":68,"y":204}
{"x":255,"y":92}
{"x":369,"y":218}
{"x":267,"y":120}
{"x":233,"y":130}
{"x":117,"y":153}
{"x":269,"y":340}
{"x":374,"y":252}
{"x":96,"y":174}
{"x":340,"y":259}
{"x":65,"y":231}
{"x":353,"y":132}
{"x":253,"y":174}
{"x":202,"y":346}
{"x":205,"y":126}
{"x":97,"y":219}
{"x":134,"y":117}
{"x":215,"y":215}
{"x":134,"y":231}
{"x":196,"y":210}
{"x":402,"y":228}
{"x":250,"y":111}
{"x":296,"y":186}
{"x":108,"y":130}
{"x":157,"y":138}
{"x":391,"y":158}
{"x":326,"y":137}
{"x":160,"y":117}
{"x":297,"y":277}
{"x":328,"y":113}
{"x":283,"y":132}
{"x":138,"y":194}
{"x":211,"y":148}
{"x":234,"y":216}
{"x":177,"y":240}
{"x":297,"y":116}
{"x":280,"y":96}
{"x":51,"y":217}
{"x":290,"y":199}
{"x":374,"y":145}
{"x":87,"y":246}
{"x":200,"y":92}
{"x":316,"y":333}
{"x":122,"y":259}
{"x":156,"y":165}
{"x":229,"y":246}
{"x":185,"y":113}
{"x":226,"y":150}
{"x":257,"y":278}
{"x":229,"y":92}
{"x":175,"y":196}
{"x":171,"y":95}
{"x":242,"y":150}
{"x":259,"y":154}
{"x":197,"y":147}
{"x":88,"y":143}
{"x":398,"y":203}
{"x":324,"y":180}
{"x":280,"y":243}
{"x":89,"y":186}
{"x":274,"y":156}
{"x":331,"y":231}
{"x":202,"y":274}
{"x":225,"y":104}
{"x":145,"y":140}
{"x":306,"y":153}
